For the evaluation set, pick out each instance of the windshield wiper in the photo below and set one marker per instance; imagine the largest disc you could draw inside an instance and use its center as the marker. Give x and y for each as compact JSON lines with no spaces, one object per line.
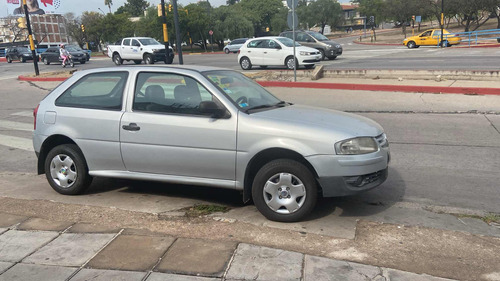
{"x":279,"y":104}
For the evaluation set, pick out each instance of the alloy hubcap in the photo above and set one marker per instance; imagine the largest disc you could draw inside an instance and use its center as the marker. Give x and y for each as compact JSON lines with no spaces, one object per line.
{"x":290,"y":63}
{"x":284,"y":193}
{"x":245,"y":64}
{"x":63,"y":170}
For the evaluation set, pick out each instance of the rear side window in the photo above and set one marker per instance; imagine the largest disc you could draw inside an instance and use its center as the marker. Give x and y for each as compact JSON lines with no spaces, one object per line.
{"x":96,"y":91}
{"x":255,"y":44}
{"x":126,"y":42}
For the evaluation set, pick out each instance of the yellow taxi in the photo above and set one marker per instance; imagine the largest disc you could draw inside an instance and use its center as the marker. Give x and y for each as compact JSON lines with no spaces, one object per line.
{"x":432,"y":37}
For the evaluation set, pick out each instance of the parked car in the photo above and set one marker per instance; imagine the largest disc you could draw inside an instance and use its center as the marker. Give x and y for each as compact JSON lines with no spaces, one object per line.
{"x":205,"y":126}
{"x":76,"y":48}
{"x":235,"y":45}
{"x":139,"y":49}
{"x":432,"y":37}
{"x":22,"y":54}
{"x":276,"y":51}
{"x":51,"y":55}
{"x":328,"y":48}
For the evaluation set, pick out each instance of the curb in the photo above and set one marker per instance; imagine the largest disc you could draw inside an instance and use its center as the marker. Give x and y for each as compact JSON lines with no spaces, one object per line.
{"x":385,"y":88}
{"x":3,"y":59}
{"x":341,"y":86}
{"x":376,"y":44}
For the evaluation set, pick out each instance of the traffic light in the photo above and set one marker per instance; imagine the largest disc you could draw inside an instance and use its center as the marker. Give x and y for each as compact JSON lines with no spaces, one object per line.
{"x":21,"y":22}
{"x":170,"y":7}
{"x":159,"y":10}
{"x":372,"y":20}
{"x":82,"y":27}
{"x":267,"y":29}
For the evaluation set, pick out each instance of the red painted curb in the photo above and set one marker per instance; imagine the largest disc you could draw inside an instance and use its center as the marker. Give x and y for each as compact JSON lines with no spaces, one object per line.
{"x":3,"y":60}
{"x":387,"y":88}
{"x":41,"y":79}
{"x":377,"y":44}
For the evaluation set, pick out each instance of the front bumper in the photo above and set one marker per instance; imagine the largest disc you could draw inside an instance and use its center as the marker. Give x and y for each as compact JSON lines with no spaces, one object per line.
{"x":160,"y":56}
{"x":309,"y":59}
{"x":341,"y":175}
{"x":334,"y":52}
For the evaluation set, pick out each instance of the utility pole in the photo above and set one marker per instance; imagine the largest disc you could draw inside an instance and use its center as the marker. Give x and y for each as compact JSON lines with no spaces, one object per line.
{"x":442,"y":23}
{"x":165,"y":32}
{"x":30,"y":35}
{"x":177,"y":32}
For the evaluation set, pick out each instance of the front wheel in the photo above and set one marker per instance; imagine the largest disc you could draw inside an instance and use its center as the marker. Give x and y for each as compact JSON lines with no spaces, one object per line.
{"x":322,"y":54}
{"x":83,"y":61}
{"x":289,"y":62}
{"x":9,"y":60}
{"x":226,"y":51}
{"x":309,"y":66}
{"x":66,"y":170}
{"x":117,"y":59}
{"x":137,"y":61}
{"x":22,"y":59}
{"x":245,"y":63}
{"x":284,"y":190}
{"x":411,"y":45}
{"x":148,"y":59}
{"x":46,"y":61}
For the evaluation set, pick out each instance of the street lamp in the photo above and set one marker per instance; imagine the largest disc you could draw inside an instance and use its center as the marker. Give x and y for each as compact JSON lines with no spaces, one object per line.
{"x":101,"y":11}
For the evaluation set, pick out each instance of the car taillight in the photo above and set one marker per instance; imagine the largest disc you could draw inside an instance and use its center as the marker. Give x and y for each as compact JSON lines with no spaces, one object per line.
{"x":34,"y":115}
{"x":238,"y":52}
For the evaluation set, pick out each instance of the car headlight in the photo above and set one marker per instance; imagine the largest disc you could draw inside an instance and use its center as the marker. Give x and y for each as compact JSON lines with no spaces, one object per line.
{"x":356,"y":146}
{"x":338,"y":46}
{"x":155,"y":50}
{"x":302,"y":53}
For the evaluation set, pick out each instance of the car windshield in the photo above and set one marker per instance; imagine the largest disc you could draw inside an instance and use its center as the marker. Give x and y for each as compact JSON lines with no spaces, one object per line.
{"x":287,"y":42}
{"x":318,"y":36}
{"x":243,"y":91}
{"x":73,"y":49}
{"x":24,"y":50}
{"x":149,"y":41}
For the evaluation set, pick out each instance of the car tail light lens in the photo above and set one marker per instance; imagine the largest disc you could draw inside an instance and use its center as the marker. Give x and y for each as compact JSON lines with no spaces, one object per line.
{"x":34,"y":115}
{"x":238,"y":52}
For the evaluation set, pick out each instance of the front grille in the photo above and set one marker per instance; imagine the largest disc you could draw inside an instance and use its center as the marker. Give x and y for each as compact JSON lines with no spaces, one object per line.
{"x":382,"y":140}
{"x":360,"y":181}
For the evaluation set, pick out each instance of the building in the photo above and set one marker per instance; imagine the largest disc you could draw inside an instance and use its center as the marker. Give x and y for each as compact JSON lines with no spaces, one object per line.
{"x":352,"y":17}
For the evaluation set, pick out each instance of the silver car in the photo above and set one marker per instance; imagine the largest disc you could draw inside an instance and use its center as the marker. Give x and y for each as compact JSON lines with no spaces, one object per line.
{"x":235,"y":45}
{"x":204,"y":126}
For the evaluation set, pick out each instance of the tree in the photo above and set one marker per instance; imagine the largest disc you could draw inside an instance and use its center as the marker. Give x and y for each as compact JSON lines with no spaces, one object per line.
{"x":73,"y":28}
{"x":108,"y":3}
{"x":93,"y":26}
{"x":116,"y":26}
{"x":260,"y":13}
{"x":229,"y":23}
{"x":323,"y":12}
{"x":134,"y":8}
{"x":198,"y":22}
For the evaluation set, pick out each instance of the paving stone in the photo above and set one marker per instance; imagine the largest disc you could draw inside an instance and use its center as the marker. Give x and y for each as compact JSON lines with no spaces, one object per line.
{"x":16,"y":244}
{"x":132,"y":252}
{"x":317,"y":268}
{"x":92,"y":228}
{"x":30,"y":272}
{"x":7,"y":220}
{"x":398,"y":275}
{"x":41,"y":224}
{"x":70,"y":249}
{"x":261,"y":263}
{"x":197,"y":257}
{"x":4,"y":266}
{"x":172,"y":277}
{"x":107,"y":275}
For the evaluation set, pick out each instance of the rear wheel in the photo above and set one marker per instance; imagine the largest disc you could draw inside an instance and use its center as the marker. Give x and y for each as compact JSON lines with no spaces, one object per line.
{"x":66,"y":170}
{"x":9,"y":60}
{"x":226,"y":51}
{"x":137,"y":61}
{"x":22,"y":59}
{"x":117,"y":59}
{"x":46,"y":61}
{"x":245,"y":63}
{"x":284,"y":190}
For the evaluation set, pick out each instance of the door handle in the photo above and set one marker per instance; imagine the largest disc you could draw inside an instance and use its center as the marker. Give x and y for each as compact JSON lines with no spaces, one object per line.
{"x":131,"y":127}
{"x":249,"y":51}
{"x":265,"y":52}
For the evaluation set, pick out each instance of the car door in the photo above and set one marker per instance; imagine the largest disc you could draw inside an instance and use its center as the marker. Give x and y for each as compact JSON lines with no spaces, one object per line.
{"x":126,"y":51}
{"x":15,"y":54}
{"x":135,"y":48}
{"x":164,"y":133}
{"x":273,"y":53}
{"x":425,"y":39}
{"x":254,"y":51}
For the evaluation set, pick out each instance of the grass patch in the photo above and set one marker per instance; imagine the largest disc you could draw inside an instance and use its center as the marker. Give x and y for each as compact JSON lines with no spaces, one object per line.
{"x":489,"y":218}
{"x":205,"y":209}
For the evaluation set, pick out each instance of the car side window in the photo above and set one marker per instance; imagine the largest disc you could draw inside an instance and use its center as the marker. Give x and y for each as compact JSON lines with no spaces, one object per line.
{"x":136,"y":43}
{"x":272,"y":44}
{"x":169,"y":93}
{"x":264,"y":44}
{"x":126,"y":42}
{"x":426,"y":34}
{"x":102,"y":90}
{"x":255,"y":44}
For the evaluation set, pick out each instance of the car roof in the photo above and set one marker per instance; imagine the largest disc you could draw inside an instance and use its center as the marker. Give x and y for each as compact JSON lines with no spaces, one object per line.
{"x":193,"y":68}
{"x":269,"y":37}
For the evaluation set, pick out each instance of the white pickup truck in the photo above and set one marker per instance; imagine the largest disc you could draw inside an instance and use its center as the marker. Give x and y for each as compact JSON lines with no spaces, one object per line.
{"x":139,"y":49}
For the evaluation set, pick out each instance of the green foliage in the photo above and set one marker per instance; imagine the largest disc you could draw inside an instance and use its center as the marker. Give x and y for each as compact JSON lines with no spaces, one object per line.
{"x":116,"y":26}
{"x":134,"y":8}
{"x":323,"y":12}
{"x":260,"y":12}
{"x":230,"y":24}
{"x":93,"y":26}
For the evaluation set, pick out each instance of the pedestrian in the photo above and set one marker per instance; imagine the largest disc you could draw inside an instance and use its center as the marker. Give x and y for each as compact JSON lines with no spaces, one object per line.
{"x":33,"y":8}
{"x":350,"y":29}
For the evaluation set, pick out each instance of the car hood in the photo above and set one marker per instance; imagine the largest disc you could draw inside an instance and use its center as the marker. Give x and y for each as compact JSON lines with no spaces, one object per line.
{"x":304,"y":49}
{"x":160,"y":47}
{"x":331,"y":43}
{"x":351,"y":125}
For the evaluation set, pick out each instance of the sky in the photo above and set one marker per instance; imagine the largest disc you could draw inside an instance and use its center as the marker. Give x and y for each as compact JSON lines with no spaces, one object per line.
{"x":66,"y":6}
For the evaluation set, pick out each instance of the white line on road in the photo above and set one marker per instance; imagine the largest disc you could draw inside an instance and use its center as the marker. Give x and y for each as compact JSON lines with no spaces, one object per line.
{"x":23,"y":113}
{"x":8,"y":77}
{"x":15,"y":142}
{"x":16,"y":125}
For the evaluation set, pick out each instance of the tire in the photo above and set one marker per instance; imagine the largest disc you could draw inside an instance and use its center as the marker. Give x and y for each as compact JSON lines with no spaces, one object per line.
{"x":289,"y":63}
{"x":83,"y":61}
{"x":137,"y":61}
{"x":263,"y":66}
{"x":411,"y":45}
{"x":9,"y":60}
{"x":309,"y":66}
{"x":245,"y":63}
{"x":117,"y":59}
{"x":22,"y":59}
{"x":148,"y":59}
{"x":66,"y":170}
{"x":322,"y":54}
{"x":46,"y":61}
{"x":226,"y":51}
{"x":277,"y":204}
{"x":332,"y":58}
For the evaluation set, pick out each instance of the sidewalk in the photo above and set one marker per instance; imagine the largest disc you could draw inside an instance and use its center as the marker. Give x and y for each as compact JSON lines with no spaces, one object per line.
{"x":38,"y":249}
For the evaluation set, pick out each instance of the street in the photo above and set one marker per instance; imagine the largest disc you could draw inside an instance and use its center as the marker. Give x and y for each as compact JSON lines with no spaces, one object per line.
{"x":445,"y":152}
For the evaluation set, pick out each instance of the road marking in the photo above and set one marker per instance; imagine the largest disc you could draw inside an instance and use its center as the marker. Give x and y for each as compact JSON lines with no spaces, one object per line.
{"x":16,"y":125}
{"x":15,"y":142}
{"x":8,"y":77}
{"x":23,"y":113}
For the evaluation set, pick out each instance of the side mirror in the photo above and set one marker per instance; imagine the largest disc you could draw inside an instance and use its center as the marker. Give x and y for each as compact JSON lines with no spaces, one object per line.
{"x":212,"y":109}
{"x":277,"y":47}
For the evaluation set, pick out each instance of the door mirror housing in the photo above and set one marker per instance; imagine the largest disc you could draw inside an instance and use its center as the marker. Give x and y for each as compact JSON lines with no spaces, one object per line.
{"x":212,"y":109}
{"x":277,"y":47}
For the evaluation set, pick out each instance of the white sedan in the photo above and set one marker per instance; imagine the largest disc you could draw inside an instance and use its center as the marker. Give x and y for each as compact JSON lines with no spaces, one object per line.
{"x":276,"y":51}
